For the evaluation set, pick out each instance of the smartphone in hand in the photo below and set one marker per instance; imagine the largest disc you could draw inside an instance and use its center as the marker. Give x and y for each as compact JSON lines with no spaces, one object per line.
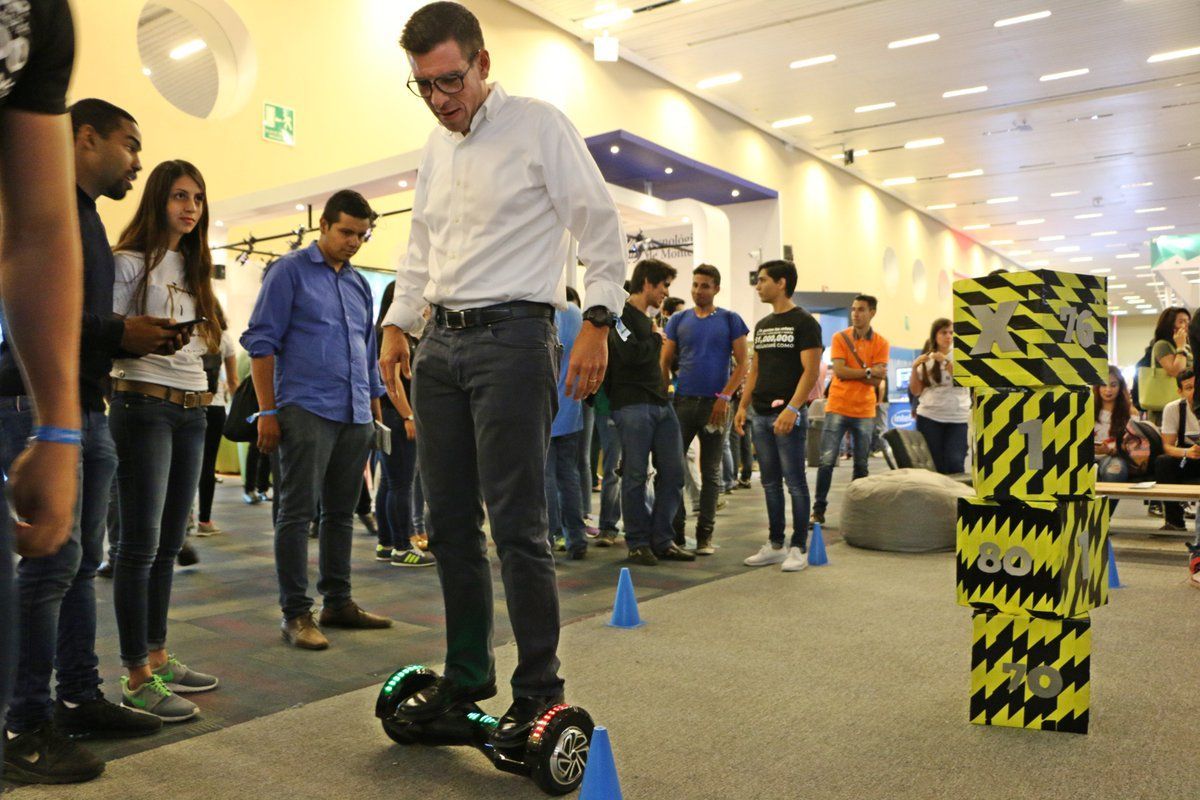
{"x":188,"y":324}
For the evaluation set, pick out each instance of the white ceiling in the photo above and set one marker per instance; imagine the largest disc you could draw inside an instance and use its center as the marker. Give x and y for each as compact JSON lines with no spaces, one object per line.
{"x":190,"y":84}
{"x":1030,"y":137}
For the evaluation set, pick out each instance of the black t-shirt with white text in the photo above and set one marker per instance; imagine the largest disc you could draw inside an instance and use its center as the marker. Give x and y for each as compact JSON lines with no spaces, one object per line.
{"x":38,"y":53}
{"x":778,"y":341}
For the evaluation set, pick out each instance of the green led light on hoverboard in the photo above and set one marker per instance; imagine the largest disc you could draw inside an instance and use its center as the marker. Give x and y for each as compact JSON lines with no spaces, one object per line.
{"x":393,"y":681}
{"x":484,"y":719}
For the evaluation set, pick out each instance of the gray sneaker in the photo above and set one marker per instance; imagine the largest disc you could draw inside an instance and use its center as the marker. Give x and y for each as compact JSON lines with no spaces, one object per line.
{"x":155,"y":698}
{"x":182,"y":679}
{"x":412,"y":557}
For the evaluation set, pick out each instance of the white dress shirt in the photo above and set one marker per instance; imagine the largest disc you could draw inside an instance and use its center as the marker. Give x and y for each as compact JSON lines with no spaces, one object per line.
{"x":494,"y":212}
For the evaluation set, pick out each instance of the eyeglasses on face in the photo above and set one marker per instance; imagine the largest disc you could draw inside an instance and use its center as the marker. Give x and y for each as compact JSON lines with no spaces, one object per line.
{"x":450,"y":83}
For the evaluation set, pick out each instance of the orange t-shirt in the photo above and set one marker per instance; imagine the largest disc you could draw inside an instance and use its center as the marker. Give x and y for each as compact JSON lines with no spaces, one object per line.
{"x":855,"y":398}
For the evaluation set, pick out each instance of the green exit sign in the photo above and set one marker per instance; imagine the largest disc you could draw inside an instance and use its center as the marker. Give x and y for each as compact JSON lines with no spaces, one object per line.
{"x":279,"y":124}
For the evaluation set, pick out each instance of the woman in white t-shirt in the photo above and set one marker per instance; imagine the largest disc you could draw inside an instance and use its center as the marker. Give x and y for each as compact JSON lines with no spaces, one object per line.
{"x":944,"y":408}
{"x":158,"y":420}
{"x":1180,"y":461}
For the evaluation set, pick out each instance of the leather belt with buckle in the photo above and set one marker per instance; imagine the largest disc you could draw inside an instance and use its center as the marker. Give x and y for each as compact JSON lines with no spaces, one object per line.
{"x":489,"y":315}
{"x":159,"y":392}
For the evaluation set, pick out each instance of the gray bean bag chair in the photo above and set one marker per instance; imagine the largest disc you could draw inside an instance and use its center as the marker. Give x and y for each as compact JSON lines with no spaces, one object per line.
{"x":903,"y":511}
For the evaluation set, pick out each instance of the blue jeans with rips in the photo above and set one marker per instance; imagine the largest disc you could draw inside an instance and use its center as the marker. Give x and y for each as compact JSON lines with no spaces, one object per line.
{"x":781,"y":462}
{"x":833,"y":429}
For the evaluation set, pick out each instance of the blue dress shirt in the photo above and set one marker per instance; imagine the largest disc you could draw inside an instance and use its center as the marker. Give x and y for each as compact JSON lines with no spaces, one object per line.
{"x":319,"y":325}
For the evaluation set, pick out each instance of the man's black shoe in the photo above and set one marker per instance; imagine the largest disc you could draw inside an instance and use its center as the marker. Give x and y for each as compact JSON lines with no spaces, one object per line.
{"x":187,"y":555}
{"x":818,"y":517}
{"x":100,"y":719}
{"x":46,"y":756}
{"x":675,"y":553}
{"x":441,"y":696}
{"x":514,"y":727}
{"x":577,"y":553}
{"x":642,"y":555}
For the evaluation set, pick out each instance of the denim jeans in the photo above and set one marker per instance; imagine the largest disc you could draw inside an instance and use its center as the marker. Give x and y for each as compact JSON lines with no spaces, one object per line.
{"x":833,"y":429}
{"x":650,"y":430}
{"x":56,"y":622}
{"x":418,"y":503}
{"x":693,"y":414}
{"x":393,"y":501}
{"x":781,"y":461}
{"x":160,"y":445}
{"x":947,"y":443}
{"x":318,"y":460}
{"x":562,"y":479}
{"x":583,"y":459}
{"x":485,"y":397}
{"x":743,"y":457}
{"x":610,"y":485}
{"x":8,"y":612}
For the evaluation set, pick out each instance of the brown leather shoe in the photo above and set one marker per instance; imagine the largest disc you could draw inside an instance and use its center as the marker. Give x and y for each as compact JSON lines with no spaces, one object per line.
{"x":351,"y":616}
{"x":302,"y":632}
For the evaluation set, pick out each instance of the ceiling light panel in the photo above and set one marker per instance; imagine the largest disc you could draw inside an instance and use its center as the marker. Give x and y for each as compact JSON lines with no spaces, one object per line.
{"x":929,"y":37}
{"x":812,"y":62}
{"x":1003,"y":23}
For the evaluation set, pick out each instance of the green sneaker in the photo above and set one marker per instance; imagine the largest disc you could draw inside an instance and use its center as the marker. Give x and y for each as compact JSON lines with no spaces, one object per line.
{"x":560,"y":544}
{"x":383,"y":553}
{"x":412,"y":557}
{"x":154,"y":697}
{"x":182,"y":679}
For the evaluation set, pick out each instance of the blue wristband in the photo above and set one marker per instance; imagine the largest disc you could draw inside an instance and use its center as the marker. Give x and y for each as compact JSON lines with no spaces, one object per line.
{"x":793,"y":409}
{"x":270,"y":412}
{"x":48,"y":433}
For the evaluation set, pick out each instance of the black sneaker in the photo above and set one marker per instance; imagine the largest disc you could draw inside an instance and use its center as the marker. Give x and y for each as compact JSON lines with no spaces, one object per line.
{"x":100,"y":719}
{"x":644,"y":556}
{"x":187,"y":555}
{"x":675,"y":553}
{"x":46,"y":756}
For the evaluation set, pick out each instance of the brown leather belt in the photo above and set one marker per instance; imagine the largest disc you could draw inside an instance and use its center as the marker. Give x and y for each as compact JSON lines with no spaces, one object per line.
{"x":176,"y":396}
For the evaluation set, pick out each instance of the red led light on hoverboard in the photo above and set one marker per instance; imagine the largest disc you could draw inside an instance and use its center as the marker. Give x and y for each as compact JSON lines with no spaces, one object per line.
{"x":540,"y":726}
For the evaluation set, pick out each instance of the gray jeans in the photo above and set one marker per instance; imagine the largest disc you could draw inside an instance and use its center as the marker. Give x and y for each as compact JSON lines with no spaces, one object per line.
{"x":317,"y":459}
{"x":484,"y":398}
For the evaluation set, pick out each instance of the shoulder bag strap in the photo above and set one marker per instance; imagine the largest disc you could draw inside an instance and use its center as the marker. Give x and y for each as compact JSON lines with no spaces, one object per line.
{"x":853,"y":352}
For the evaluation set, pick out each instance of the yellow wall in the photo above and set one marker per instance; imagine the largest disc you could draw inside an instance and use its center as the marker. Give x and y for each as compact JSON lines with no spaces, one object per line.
{"x":339,"y":66}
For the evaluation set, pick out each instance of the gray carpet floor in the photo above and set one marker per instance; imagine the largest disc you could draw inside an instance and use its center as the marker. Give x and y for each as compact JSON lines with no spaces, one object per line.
{"x":845,"y":681}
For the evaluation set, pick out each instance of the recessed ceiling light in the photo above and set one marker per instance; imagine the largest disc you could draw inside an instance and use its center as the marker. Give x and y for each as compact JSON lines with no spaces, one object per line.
{"x":1117,"y":312}
{"x":299,"y":206}
{"x":917,"y":144}
{"x":1054,"y":238}
{"x":614,"y":149}
{"x":147,"y":71}
{"x":608,"y":18}
{"x":719,"y":80}
{"x":669,"y":170}
{"x":188,"y":49}
{"x":1080,"y":259}
{"x":961,"y":92}
{"x":1137,"y":185}
{"x":1172,"y":55}
{"x":1064,"y":194}
{"x":1149,"y":210}
{"x":1161,"y":228}
{"x":978,"y":227}
{"x":1103,"y":271}
{"x":874,"y":107}
{"x":1000,"y":23}
{"x":403,"y":184}
{"x":1042,"y":263}
{"x":1111,"y":245}
{"x":899,"y":181}
{"x":1091,"y":215}
{"x":1069,"y":248}
{"x":929,"y":37}
{"x":995,"y":201}
{"x":1071,"y":73}
{"x":735,"y":193}
{"x":687,"y":219}
{"x":1104,"y":233}
{"x":998,"y":242}
{"x":812,"y":62}
{"x":941,"y":206}
{"x":791,"y":121}
{"x":1030,"y":221}
{"x":220,"y":223}
{"x":1112,"y":285}
{"x":1144,"y":267}
{"x":971,"y":173}
{"x":1128,"y":255}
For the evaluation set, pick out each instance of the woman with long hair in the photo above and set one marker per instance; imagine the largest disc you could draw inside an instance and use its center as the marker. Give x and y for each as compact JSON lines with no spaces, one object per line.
{"x":944,"y":408}
{"x":1169,"y":350}
{"x":157,"y":417}
{"x":1113,"y":411}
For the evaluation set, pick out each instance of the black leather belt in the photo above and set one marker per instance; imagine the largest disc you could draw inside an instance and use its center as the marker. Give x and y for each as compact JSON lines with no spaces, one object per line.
{"x":489,"y":315}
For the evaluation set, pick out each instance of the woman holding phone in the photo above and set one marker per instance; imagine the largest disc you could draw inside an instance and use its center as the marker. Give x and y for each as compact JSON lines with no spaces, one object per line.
{"x":157,"y":417}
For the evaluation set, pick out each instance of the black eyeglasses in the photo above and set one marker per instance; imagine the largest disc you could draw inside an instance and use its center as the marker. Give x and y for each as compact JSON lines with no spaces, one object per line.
{"x":451,"y":83}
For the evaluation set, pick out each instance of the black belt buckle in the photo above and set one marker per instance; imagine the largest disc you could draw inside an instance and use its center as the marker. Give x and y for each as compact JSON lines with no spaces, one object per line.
{"x":455,"y":320}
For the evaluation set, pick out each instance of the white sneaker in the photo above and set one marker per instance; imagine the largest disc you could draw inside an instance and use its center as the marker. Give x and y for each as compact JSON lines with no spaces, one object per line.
{"x":796,"y":560}
{"x":766,"y":555}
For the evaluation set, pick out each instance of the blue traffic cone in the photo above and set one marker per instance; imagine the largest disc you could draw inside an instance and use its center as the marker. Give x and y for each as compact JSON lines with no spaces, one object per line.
{"x":625,"y":610}
{"x":1114,"y":579}
{"x":600,"y":781}
{"x":816,"y":547}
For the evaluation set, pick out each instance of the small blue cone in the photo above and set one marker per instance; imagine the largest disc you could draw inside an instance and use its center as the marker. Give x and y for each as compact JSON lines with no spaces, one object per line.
{"x":816,"y":547}
{"x":1114,"y":579}
{"x":600,"y":781}
{"x":625,"y":610}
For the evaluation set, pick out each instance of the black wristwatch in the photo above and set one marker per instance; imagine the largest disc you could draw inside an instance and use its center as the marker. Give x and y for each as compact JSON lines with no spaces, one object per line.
{"x":600,"y":317}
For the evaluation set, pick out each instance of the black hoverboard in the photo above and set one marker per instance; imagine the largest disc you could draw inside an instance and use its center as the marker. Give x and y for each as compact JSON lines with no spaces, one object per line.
{"x":554,"y":755}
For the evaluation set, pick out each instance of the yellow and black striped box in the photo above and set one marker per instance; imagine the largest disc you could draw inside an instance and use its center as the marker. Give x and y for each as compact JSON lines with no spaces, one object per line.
{"x":1032,"y":443}
{"x":1040,"y":328}
{"x":1043,"y":558}
{"x":1031,"y":673}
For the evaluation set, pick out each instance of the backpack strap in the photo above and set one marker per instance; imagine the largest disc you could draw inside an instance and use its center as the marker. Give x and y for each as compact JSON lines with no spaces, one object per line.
{"x":853,"y":352}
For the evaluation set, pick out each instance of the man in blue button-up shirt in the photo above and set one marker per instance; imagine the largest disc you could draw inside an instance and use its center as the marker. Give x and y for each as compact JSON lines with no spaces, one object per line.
{"x":312,"y":341}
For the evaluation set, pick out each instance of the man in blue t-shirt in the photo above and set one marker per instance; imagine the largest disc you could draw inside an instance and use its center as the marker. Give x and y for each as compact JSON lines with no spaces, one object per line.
{"x":563,"y":499}
{"x":704,"y":337}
